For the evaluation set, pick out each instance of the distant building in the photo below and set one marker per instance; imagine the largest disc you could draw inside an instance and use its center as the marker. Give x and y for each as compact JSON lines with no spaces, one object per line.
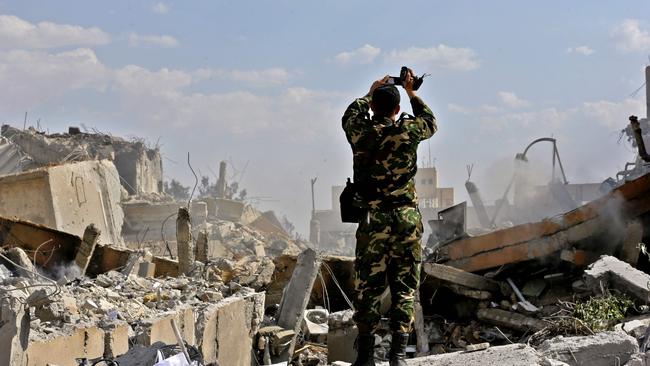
{"x":429,"y":194}
{"x":336,"y":236}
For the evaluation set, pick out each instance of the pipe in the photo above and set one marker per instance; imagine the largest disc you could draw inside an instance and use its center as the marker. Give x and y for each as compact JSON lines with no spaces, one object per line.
{"x":638,"y":137}
{"x":477,"y":202}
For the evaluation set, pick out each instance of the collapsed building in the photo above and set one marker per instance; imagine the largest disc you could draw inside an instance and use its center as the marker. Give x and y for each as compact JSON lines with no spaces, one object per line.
{"x":98,"y":264}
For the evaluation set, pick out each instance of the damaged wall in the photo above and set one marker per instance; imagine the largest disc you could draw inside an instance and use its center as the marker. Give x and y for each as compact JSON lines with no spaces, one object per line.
{"x":139,"y":167}
{"x":67,"y":198}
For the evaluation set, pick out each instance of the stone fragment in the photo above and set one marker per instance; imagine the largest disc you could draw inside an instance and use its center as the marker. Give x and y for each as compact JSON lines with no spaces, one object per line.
{"x":87,"y":247}
{"x":460,"y":277}
{"x":609,"y":271}
{"x":510,"y":320}
{"x":184,"y":241}
{"x":477,"y":347}
{"x":19,"y":257}
{"x":601,"y":349}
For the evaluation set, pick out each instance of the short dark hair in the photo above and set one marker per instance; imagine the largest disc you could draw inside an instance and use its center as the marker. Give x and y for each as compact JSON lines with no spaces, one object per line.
{"x":384,"y":99}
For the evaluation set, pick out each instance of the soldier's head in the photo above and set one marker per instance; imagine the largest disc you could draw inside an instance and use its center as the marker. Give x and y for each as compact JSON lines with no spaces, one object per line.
{"x":385,"y":101}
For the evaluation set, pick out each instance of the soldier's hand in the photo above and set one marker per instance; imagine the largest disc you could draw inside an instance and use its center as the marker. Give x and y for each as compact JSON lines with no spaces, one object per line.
{"x":407,"y":84}
{"x":377,"y":84}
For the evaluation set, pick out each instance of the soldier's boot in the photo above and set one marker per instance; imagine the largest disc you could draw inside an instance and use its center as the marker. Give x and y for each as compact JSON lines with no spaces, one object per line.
{"x":397,"y":355}
{"x":365,"y":345}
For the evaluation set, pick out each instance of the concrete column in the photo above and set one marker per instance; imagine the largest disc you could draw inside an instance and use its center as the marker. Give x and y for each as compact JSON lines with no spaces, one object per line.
{"x":184,"y":241}
{"x":87,"y":247}
{"x":297,"y":293}
{"x":202,"y":246}
{"x":221,"y":181}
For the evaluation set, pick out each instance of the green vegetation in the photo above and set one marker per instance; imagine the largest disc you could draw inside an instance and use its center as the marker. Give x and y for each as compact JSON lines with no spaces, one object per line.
{"x":599,"y":313}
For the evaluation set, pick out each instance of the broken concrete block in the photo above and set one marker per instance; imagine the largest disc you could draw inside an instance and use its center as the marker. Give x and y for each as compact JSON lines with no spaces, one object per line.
{"x":612,"y":272}
{"x":601,"y":349}
{"x":468,"y":292}
{"x":147,"y":269}
{"x":63,"y":350}
{"x":184,"y":241}
{"x":87,"y":247}
{"x":14,"y":333}
{"x":634,"y":327}
{"x":297,"y":293}
{"x":460,"y":277}
{"x":67,"y":197}
{"x":510,"y":355}
{"x":201,"y":246}
{"x":341,"y":336}
{"x":116,"y":339}
{"x":19,"y":257}
{"x":477,"y":347}
{"x":510,"y":320}
{"x":223,"y":330}
{"x":159,"y":328}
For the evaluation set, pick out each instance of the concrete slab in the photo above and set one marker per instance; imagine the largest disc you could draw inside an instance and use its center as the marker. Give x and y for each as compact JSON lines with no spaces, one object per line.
{"x":460,"y":277}
{"x":612,"y":272}
{"x":602,"y":349}
{"x":160,"y":330}
{"x":510,"y":320}
{"x":63,"y":350}
{"x":225,"y":331}
{"x":67,"y":197}
{"x":297,"y":293}
{"x":510,"y":355}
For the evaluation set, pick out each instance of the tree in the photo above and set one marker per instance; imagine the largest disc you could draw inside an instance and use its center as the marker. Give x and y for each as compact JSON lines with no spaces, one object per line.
{"x":175,"y":189}
{"x":206,"y":189}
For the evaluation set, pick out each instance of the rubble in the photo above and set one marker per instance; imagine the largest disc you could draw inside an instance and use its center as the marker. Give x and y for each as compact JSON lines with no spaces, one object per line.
{"x":221,"y":282}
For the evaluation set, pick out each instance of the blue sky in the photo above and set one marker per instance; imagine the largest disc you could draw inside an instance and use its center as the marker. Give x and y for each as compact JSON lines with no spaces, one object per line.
{"x":267,"y":81}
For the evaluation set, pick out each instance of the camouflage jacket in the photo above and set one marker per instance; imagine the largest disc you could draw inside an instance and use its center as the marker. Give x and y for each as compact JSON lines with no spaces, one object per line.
{"x":387,"y":178}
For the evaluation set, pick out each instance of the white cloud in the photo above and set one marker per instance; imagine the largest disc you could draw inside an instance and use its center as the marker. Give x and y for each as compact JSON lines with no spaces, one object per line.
{"x":613,"y":114}
{"x":262,"y":77}
{"x":583,"y":50}
{"x":600,"y":114}
{"x":362,"y":55}
{"x":19,"y":33}
{"x":36,"y":76}
{"x":442,"y":56}
{"x":161,"y":41}
{"x":512,"y":100}
{"x":155,"y":97}
{"x":631,"y":37}
{"x":160,"y":8}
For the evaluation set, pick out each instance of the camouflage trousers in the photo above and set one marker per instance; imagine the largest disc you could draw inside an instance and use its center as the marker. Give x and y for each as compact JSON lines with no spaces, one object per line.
{"x":388,"y":252}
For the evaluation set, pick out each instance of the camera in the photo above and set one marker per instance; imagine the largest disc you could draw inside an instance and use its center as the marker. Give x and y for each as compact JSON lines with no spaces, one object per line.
{"x":397,"y":80}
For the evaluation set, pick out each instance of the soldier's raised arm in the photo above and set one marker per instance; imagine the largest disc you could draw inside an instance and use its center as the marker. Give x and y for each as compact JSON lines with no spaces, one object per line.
{"x":424,"y":125}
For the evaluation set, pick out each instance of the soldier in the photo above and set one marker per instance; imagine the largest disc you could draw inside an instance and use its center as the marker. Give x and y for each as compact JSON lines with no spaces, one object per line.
{"x":388,"y":247}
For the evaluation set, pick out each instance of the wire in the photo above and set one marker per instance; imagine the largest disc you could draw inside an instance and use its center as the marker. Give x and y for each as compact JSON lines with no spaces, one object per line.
{"x":336,"y":282}
{"x":53,"y":283}
{"x":196,"y":183}
{"x":326,"y":297}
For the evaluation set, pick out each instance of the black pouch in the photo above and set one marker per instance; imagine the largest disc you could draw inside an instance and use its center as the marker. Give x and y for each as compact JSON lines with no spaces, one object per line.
{"x":349,"y":211}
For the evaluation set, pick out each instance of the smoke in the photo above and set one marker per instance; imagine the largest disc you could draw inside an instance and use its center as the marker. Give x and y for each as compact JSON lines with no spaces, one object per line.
{"x":66,"y":272}
{"x":520,"y":191}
